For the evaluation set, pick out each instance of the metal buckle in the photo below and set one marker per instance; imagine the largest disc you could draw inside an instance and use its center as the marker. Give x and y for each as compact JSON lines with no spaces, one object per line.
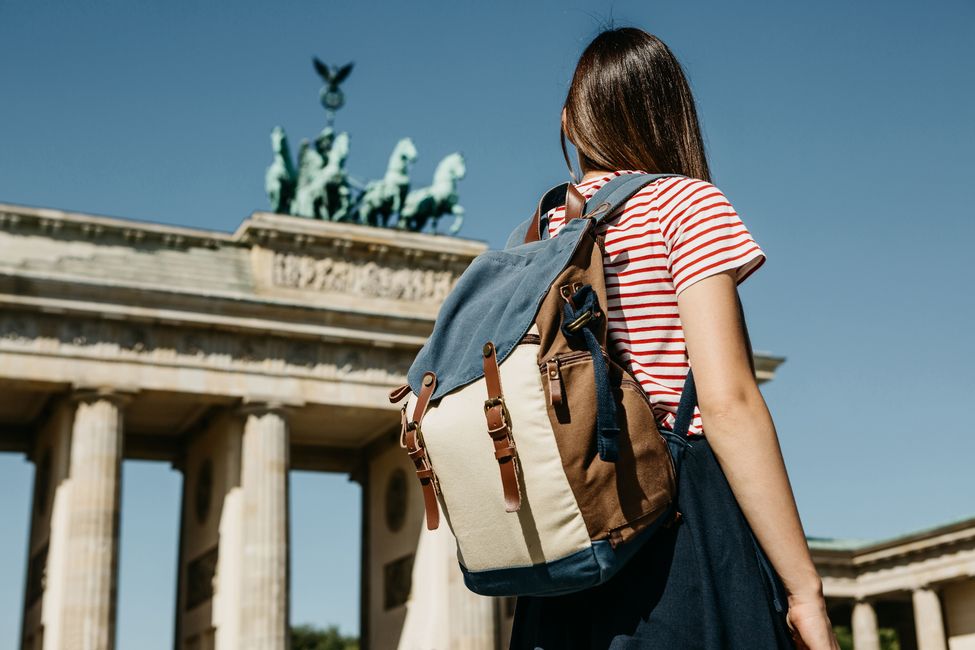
{"x":402,"y":431}
{"x":586,"y":316}
{"x":409,"y":426}
{"x":566,"y":290}
{"x":497,"y":401}
{"x":597,"y":210}
{"x":491,"y":402}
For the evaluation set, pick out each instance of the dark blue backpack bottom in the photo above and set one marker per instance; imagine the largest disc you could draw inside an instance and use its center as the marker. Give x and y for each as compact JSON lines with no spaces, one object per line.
{"x":704,"y":583}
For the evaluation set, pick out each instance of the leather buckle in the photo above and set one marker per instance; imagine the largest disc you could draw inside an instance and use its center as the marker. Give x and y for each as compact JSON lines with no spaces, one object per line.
{"x":491,"y":402}
{"x":586,"y":316}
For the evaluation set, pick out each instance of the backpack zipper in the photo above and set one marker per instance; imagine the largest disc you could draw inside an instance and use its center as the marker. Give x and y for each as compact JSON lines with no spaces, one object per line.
{"x":552,"y":368}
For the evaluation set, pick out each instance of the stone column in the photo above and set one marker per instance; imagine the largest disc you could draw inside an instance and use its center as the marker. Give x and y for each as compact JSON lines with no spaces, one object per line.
{"x":89,"y":583}
{"x":264,"y":484}
{"x":864,"y":623}
{"x":473,"y":618}
{"x":927,"y":619}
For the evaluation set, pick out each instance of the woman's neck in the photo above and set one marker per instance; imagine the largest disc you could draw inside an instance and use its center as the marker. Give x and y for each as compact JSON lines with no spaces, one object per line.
{"x":596,"y":173}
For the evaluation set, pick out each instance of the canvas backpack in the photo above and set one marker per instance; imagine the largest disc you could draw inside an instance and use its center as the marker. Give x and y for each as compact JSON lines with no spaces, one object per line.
{"x":538,"y":445}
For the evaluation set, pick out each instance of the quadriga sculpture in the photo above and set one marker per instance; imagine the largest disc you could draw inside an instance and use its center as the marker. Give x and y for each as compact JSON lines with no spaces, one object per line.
{"x":384,"y":197}
{"x":429,"y":203}
{"x":323,"y":188}
{"x":311,"y":160}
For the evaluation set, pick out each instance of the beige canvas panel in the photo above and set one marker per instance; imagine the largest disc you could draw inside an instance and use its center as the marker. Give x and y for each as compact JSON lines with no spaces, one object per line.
{"x":549,"y":524}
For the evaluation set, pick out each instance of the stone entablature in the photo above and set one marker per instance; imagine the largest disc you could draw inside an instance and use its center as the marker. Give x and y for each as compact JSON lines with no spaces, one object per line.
{"x":861,"y":569}
{"x":921,"y":584}
{"x":271,"y":258}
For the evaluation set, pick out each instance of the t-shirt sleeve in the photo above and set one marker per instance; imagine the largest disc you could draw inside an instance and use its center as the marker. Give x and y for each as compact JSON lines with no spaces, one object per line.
{"x":703,"y":234}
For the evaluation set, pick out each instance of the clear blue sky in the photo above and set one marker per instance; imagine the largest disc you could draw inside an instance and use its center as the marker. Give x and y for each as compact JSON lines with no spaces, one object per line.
{"x":842,"y":133}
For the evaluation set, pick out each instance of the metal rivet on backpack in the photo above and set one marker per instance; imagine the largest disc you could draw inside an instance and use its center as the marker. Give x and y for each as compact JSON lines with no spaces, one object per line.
{"x":598,"y":210}
{"x":487,"y":349}
{"x":427,"y":380}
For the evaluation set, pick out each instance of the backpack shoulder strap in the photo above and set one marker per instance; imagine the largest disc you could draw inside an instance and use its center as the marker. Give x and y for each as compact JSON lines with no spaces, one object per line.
{"x":600,"y":205}
{"x":552,"y":198}
{"x":617,"y":191}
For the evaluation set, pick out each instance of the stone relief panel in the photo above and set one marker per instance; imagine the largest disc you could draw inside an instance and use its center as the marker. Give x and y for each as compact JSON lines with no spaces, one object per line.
{"x":162,"y":344}
{"x":360,"y":277}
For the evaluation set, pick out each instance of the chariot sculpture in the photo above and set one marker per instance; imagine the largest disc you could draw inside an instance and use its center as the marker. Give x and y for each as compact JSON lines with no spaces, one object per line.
{"x":318,"y":186}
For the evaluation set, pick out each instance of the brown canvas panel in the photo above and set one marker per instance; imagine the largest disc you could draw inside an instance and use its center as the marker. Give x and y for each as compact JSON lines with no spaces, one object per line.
{"x":611,"y":495}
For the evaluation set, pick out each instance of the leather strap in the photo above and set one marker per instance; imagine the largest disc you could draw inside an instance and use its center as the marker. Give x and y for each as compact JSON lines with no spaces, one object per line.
{"x":499,"y":428}
{"x":399,"y":393}
{"x":412,"y":439}
{"x":575,"y":202}
{"x":564,"y":194}
{"x":554,"y":381}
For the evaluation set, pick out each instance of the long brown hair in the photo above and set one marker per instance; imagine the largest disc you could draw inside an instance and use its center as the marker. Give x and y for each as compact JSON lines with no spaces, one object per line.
{"x":629,"y":106}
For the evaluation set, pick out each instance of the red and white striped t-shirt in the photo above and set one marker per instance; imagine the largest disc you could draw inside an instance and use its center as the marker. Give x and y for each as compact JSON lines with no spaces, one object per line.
{"x":670,"y":234}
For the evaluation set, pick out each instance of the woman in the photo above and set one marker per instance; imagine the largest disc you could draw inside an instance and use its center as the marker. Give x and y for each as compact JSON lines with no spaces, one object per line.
{"x":673,"y":257}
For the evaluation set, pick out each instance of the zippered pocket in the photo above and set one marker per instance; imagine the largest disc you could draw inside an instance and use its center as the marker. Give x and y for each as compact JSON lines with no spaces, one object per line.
{"x":621,"y":498}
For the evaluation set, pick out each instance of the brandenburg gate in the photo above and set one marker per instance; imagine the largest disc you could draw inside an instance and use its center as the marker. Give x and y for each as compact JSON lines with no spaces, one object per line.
{"x":237,"y":357}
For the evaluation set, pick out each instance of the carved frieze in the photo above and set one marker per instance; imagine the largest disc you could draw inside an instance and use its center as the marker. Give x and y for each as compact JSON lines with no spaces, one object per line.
{"x":365,"y":278}
{"x":155,"y":343}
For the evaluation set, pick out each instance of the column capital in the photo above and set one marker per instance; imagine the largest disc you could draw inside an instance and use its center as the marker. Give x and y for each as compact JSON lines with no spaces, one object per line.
{"x":254,"y":405}
{"x":928,"y":618}
{"x":863,"y":621}
{"x":118,"y":395}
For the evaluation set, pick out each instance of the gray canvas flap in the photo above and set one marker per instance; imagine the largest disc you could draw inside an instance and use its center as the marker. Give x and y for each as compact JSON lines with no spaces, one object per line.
{"x":495,"y":299}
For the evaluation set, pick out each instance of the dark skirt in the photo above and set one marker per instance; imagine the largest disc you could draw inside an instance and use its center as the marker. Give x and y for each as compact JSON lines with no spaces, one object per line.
{"x":705,"y":582}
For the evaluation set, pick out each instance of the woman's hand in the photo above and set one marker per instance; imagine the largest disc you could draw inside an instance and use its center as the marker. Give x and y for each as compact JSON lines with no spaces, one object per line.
{"x":810,"y":624}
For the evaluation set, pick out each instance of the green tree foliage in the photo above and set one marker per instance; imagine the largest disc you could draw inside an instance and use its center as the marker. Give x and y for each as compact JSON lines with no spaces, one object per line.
{"x":308,"y":637}
{"x":888,"y":638}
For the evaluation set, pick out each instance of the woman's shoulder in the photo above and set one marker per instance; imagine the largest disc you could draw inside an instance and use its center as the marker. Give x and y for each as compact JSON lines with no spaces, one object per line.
{"x":671,"y":197}
{"x":662,"y":198}
{"x":673,"y":188}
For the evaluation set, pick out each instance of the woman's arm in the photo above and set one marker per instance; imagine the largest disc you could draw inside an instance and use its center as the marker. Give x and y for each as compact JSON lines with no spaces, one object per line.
{"x":741,"y":434}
